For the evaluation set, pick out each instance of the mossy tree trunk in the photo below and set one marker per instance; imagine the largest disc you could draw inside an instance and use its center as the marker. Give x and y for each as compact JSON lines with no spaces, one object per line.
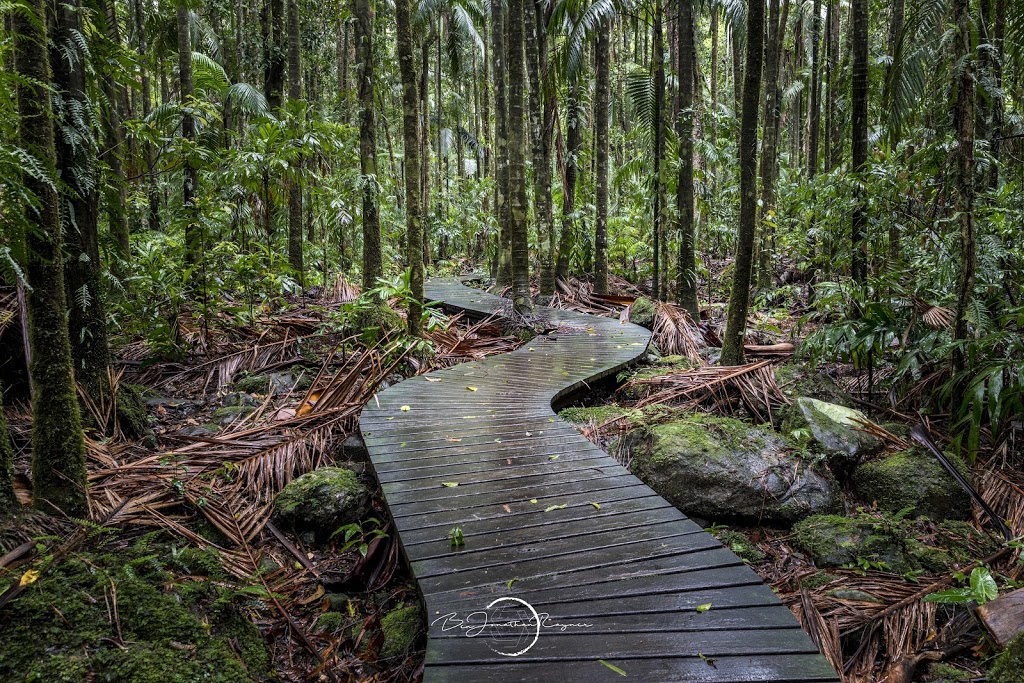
{"x":76,"y":157}
{"x":601,"y":105}
{"x":113,"y":152}
{"x":772,"y":119}
{"x":859,"y":141}
{"x":58,"y":447}
{"x":518,"y":206}
{"x":372,"y":266}
{"x":501,"y":185}
{"x":411,"y":143}
{"x":8,"y":501}
{"x":739,"y":298}
{"x":193,"y":231}
{"x":684,"y":185}
{"x":963,"y":117}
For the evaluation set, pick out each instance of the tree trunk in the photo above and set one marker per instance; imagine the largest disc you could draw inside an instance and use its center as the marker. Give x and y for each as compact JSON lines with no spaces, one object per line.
{"x":737,"y":72}
{"x":998,"y":104}
{"x":815,"y":99}
{"x":424,"y":151}
{"x":833,"y":137}
{"x":964,"y":120}
{"x":87,"y":320}
{"x":152,"y":189}
{"x":58,"y":447}
{"x":517,"y":156}
{"x":657,"y":229}
{"x":601,"y":113}
{"x":411,"y":143}
{"x":372,"y":259}
{"x":896,"y":20}
{"x":294,"y":184}
{"x":859,"y":140}
{"x":684,"y":187}
{"x":739,"y":299}
{"x":573,"y":141}
{"x":714,"y":59}
{"x":274,"y":85}
{"x":193,"y":231}
{"x":501,"y":186}
{"x":113,"y":154}
{"x":541,"y":118}
{"x":772,"y":121}
{"x":8,"y":500}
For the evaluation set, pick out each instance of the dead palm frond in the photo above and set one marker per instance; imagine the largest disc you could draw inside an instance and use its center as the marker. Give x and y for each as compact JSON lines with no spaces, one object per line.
{"x":676,"y":334}
{"x":752,"y":385}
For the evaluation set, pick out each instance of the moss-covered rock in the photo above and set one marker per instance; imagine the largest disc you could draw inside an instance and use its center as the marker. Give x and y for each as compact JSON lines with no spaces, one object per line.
{"x":230,"y":414}
{"x":723,"y":468}
{"x":642,"y":312}
{"x":940,"y":672}
{"x":587,"y":415}
{"x":837,"y":541}
{"x":376,"y":322}
{"x":834,"y":429}
{"x":913,"y":479}
{"x":1009,"y":665}
{"x":401,"y":628}
{"x":166,"y":632}
{"x":323,"y":500}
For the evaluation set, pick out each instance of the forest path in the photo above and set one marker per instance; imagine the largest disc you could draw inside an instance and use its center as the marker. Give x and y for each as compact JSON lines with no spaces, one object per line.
{"x":572,"y":569}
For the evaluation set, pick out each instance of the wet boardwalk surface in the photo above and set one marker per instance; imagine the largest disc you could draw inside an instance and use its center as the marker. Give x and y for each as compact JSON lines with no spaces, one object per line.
{"x":571,"y":569}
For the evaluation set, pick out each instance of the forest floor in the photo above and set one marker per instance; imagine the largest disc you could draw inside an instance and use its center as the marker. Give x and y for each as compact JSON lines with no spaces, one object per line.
{"x":193,"y":568}
{"x":188,"y":569}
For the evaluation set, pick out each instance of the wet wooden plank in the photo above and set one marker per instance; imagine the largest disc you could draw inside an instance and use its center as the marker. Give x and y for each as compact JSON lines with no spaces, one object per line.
{"x":550,"y":519}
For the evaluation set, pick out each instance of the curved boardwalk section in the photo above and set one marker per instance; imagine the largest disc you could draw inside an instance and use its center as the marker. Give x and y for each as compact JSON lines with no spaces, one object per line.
{"x":571,"y":569}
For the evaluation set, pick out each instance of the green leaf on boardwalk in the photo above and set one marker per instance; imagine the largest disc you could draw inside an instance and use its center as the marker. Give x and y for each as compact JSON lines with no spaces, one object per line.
{"x":704,"y":608}
{"x":613,"y":667}
{"x":510,"y":582}
{"x":449,"y":484}
{"x":555,"y":507}
{"x":596,"y":506}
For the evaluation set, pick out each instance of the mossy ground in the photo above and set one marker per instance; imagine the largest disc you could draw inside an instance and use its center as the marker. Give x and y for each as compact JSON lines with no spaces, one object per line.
{"x":401,"y":628}
{"x":1009,"y":665}
{"x":166,"y":630}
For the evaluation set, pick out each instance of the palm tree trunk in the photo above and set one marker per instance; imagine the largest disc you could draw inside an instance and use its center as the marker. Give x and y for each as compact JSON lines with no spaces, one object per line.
{"x":687,"y":294}
{"x":274,"y":85}
{"x":58,"y":447}
{"x":573,"y":143}
{"x":859,"y":143}
{"x":116,"y":196}
{"x":501,"y":186}
{"x":772,"y":121}
{"x":372,"y":259}
{"x":87,"y":320}
{"x":540,"y":119}
{"x":739,"y":299}
{"x":193,"y":232}
{"x":602,"y":76}
{"x":411,"y":144}
{"x":294,"y":185}
{"x":833,"y":138}
{"x":517,"y":156}
{"x":658,"y":66}
{"x":152,"y":189}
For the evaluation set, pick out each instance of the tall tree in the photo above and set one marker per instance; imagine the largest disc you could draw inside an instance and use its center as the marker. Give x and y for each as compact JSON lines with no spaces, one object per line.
{"x":541,"y":126}
{"x":149,"y":159}
{"x":602,"y":75}
{"x":963,"y":117}
{"x":739,"y":299}
{"x":517,"y":156}
{"x":372,"y":261}
{"x":58,"y":447}
{"x":684,"y":183}
{"x":294,"y":186}
{"x":193,"y":229}
{"x":274,"y":54}
{"x":76,"y":157}
{"x":833,"y":138}
{"x":658,"y":68}
{"x":501,"y":184}
{"x":411,"y":141}
{"x":8,"y":499}
{"x":859,"y":140}
{"x":573,"y":147}
{"x":814,"y":127}
{"x":114,"y":147}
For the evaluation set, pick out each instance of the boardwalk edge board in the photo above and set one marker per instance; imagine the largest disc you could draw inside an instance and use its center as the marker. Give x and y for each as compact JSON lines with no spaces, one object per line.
{"x":533,"y":594}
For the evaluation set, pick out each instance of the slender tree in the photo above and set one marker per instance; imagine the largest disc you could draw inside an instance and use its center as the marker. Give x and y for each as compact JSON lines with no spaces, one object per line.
{"x":517,"y":156}
{"x":687,"y":290}
{"x":58,"y":447}
{"x":657,"y":228}
{"x":541,"y":125}
{"x":8,"y":499}
{"x":372,"y":260}
{"x":739,"y":299}
{"x":411,"y":140}
{"x":573,"y":147}
{"x":501,"y":170}
{"x":859,"y":141}
{"x":193,"y":230}
{"x":963,"y":116}
{"x":294,"y":185}
{"x":602,"y":75}
{"x":114,"y":147}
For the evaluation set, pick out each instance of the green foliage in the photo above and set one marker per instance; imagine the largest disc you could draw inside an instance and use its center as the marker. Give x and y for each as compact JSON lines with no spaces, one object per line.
{"x":981,"y":588}
{"x":360,"y":535}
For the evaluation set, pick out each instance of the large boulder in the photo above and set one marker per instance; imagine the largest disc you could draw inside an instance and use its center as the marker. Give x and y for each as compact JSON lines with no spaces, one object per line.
{"x":835,"y":429}
{"x":913,"y":479}
{"x":323,"y":501}
{"x":642,"y":312}
{"x":722,"y":468}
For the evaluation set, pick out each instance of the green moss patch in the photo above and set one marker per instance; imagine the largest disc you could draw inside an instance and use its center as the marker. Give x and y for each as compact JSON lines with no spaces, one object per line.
{"x":913,"y":479}
{"x":401,"y":628}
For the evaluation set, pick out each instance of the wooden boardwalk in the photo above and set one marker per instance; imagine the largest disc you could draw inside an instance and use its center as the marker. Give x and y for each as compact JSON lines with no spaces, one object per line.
{"x":614,"y":573}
